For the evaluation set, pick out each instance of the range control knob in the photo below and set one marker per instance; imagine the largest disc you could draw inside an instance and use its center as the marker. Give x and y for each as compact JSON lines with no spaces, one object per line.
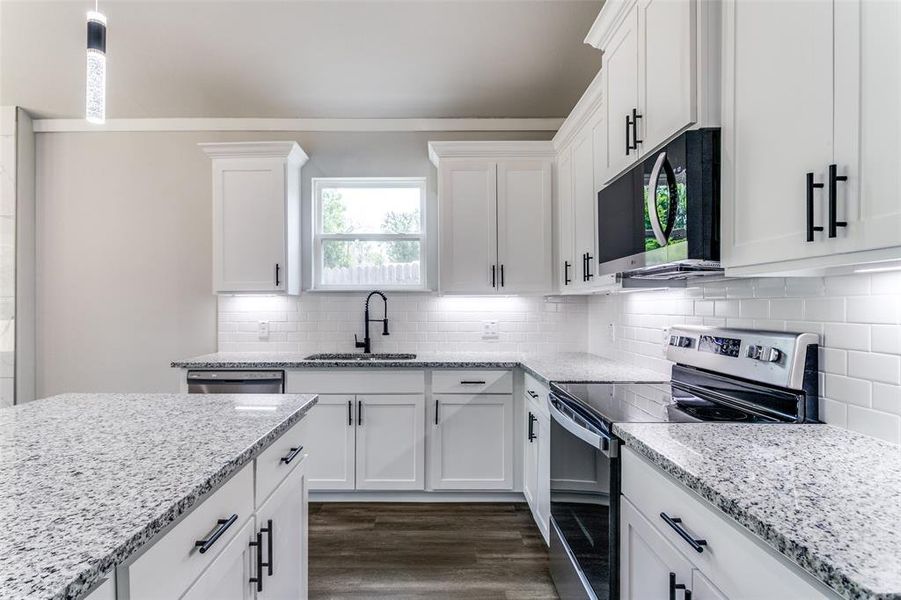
{"x":764,"y":354}
{"x":680,"y":341}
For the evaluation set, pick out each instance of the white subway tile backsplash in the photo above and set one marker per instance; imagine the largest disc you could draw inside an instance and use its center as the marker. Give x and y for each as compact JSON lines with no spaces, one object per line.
{"x":857,"y":317}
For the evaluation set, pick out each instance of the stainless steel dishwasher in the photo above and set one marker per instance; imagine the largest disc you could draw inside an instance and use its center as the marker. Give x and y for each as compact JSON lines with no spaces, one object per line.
{"x":236,"y":382}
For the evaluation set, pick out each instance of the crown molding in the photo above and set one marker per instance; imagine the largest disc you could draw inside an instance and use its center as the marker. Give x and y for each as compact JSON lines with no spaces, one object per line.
{"x":290,"y":151}
{"x":581,"y":112}
{"x":488,"y":149}
{"x":608,"y":20}
{"x":266,"y":124}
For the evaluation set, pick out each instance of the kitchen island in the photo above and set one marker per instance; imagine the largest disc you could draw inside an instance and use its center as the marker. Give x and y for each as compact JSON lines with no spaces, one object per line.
{"x":89,"y":482}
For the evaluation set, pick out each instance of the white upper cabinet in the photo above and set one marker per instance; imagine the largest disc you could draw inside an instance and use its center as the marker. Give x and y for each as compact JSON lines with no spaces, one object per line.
{"x":660,"y":74}
{"x":563,"y":211}
{"x":584,"y":204}
{"x":256,"y":216}
{"x":811,"y":155}
{"x":496,"y":224}
{"x":524,"y":240}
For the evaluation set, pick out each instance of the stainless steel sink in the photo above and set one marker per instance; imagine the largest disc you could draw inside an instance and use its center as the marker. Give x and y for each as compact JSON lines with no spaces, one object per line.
{"x":359,"y":357}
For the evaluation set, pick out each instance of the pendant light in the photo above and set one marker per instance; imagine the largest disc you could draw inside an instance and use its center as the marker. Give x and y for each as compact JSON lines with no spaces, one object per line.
{"x":95,"y":84}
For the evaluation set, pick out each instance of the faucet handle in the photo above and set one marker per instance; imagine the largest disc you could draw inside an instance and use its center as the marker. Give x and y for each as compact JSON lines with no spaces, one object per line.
{"x":358,"y":343}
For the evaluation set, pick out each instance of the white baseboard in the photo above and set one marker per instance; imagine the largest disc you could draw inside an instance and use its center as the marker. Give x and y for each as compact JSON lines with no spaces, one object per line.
{"x":416,"y":496}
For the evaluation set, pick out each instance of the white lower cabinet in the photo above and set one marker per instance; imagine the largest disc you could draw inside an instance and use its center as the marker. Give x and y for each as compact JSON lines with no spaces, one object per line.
{"x":472,"y":442}
{"x":228,"y":578}
{"x":390,"y":442}
{"x":282,"y":520}
{"x":732,"y":562}
{"x":536,"y":484}
{"x":331,"y":442}
{"x":650,"y":567}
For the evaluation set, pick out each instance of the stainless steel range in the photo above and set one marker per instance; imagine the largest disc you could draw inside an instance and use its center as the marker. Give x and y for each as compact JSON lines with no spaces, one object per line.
{"x":729,"y":375}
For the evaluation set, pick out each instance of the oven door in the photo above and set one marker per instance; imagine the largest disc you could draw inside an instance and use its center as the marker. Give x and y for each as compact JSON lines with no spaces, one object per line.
{"x":584,"y":503}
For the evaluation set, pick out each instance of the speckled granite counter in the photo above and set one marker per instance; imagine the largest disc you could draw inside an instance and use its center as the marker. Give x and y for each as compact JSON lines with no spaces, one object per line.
{"x":567,"y":367}
{"x":827,"y":498}
{"x":86,"y":479}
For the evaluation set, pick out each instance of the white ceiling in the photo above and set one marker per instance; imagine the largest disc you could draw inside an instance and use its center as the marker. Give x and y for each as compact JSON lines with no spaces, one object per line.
{"x":325,"y":58}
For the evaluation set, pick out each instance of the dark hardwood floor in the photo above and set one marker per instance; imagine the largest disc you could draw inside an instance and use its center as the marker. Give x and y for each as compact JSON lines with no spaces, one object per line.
{"x":426,"y":551}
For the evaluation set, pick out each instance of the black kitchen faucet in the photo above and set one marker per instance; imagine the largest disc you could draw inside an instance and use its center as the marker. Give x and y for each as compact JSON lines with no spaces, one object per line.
{"x":366,"y":344}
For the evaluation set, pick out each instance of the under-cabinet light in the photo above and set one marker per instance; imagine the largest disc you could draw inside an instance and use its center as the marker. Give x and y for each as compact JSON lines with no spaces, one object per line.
{"x":95,"y":83}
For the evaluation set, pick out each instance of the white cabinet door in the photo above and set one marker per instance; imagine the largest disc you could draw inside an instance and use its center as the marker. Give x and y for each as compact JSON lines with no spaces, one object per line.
{"x":543,"y":481}
{"x":666,"y":54}
{"x":249,"y":225}
{"x":390,"y":442}
{"x":530,"y":460}
{"x":228,"y":577}
{"x":536,"y":463}
{"x":566,"y":257}
{"x":472,"y":442}
{"x":524,"y":238}
{"x":330,"y":441}
{"x":648,"y":562}
{"x":621,"y":93}
{"x":468,"y":198}
{"x":283,"y":523}
{"x":584,"y":202}
{"x":702,"y":589}
{"x":868,"y":122}
{"x":777,"y":127}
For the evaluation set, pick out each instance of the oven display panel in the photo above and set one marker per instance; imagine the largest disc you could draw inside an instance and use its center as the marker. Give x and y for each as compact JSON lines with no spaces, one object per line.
{"x":719,"y":345}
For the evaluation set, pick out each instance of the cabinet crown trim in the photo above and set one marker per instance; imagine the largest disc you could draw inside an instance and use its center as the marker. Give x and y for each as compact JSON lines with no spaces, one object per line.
{"x":489,"y":149}
{"x":290,"y":151}
{"x":607,"y":22}
{"x":587,"y":105}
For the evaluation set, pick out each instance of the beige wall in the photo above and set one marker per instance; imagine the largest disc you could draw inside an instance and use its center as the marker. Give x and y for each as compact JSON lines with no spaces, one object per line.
{"x":124,"y":244}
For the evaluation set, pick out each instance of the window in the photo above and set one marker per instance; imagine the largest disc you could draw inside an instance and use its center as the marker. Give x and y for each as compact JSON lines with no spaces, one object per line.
{"x":369,"y":233}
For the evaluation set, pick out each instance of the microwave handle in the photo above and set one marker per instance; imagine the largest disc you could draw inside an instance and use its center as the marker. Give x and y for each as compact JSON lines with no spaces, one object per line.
{"x":608,"y":446}
{"x":651,"y":201}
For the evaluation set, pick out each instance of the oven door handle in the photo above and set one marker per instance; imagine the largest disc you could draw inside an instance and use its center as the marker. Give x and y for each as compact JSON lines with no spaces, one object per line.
{"x":609,"y":446}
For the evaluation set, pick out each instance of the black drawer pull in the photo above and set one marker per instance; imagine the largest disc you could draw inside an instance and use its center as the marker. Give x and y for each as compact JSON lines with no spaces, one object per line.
{"x":292,"y":455}
{"x":834,"y":178}
{"x":532,"y":394}
{"x":350,"y":413}
{"x":811,"y":186}
{"x":221,"y":526}
{"x":676,"y":524}
{"x":673,"y":586}
{"x":360,"y":413}
{"x":269,"y":531}
{"x":471,"y":382}
{"x":258,"y":544}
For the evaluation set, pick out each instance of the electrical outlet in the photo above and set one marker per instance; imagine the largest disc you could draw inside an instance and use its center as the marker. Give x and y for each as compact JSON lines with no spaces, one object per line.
{"x":489,"y":330}
{"x":263,"y":330}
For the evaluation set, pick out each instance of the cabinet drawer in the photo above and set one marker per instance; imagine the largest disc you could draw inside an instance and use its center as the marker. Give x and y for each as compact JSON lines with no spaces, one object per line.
{"x":734,"y":560}
{"x":536,"y":394}
{"x":171,"y":564}
{"x":472,"y":381}
{"x":355,"y":381}
{"x":278,"y":460}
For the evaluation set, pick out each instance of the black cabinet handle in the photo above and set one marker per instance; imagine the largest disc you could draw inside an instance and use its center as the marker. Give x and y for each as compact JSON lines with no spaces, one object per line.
{"x":360,"y":413}
{"x":292,"y":455}
{"x":471,"y":382}
{"x":566,"y":266}
{"x":532,"y":420}
{"x":635,"y":140}
{"x":221,"y":526}
{"x":493,"y":276}
{"x":436,"y":412}
{"x":676,"y":524}
{"x":584,"y":266}
{"x":258,"y":544}
{"x":269,"y":530}
{"x":834,"y":178}
{"x":673,"y":586}
{"x":628,"y":127}
{"x":277,"y":269}
{"x":811,"y":186}
{"x":588,"y":273}
{"x":350,"y":413}
{"x":502,"y":275}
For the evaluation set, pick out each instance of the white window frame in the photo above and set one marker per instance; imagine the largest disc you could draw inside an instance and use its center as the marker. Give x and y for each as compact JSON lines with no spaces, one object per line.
{"x":369,"y":182}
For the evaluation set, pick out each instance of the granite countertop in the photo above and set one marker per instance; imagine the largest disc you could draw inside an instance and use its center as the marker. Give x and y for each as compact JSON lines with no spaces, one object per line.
{"x":826,"y":498}
{"x":565,"y":367}
{"x":87,"y":479}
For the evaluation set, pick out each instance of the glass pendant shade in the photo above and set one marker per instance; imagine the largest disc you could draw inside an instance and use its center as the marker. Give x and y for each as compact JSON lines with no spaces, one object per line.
{"x":95,"y":84}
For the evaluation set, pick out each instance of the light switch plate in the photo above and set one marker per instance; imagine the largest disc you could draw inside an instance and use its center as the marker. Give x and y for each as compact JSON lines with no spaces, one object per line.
{"x":263,"y":330}
{"x":489,"y":330}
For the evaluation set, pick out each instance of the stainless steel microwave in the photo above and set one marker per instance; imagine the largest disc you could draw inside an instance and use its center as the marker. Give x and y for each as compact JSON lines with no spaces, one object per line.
{"x":661,"y":219}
